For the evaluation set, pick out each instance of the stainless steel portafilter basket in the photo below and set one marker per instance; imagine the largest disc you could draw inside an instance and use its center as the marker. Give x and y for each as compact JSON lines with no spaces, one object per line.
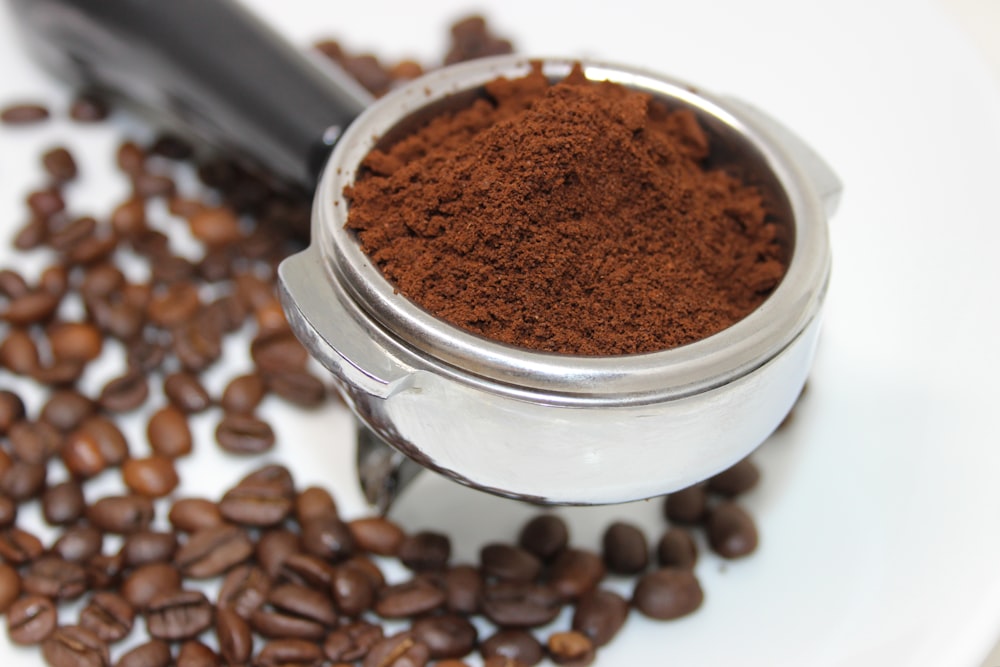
{"x":555,"y":428}
{"x":542,"y":427}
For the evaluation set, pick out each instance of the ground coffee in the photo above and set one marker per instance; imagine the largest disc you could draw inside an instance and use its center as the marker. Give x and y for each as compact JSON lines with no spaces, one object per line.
{"x":576,"y":218}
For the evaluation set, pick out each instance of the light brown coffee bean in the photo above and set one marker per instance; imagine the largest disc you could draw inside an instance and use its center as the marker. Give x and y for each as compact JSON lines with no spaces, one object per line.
{"x":570,"y":648}
{"x":31,"y":619}
{"x":169,"y":433}
{"x":153,"y":476}
{"x":121,"y":514}
{"x":75,"y":341}
{"x":24,"y":113}
{"x":189,"y":515}
{"x":10,"y":587}
{"x":19,"y":353}
{"x":243,"y":394}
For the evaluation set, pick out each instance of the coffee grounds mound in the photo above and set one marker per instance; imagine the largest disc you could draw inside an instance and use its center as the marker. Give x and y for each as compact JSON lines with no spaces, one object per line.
{"x":575,"y":217}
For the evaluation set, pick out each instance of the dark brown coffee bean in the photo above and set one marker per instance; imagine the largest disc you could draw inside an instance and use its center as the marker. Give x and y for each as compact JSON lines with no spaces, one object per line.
{"x":328,"y":538}
{"x":34,"y":442}
{"x":182,"y":614}
{"x":186,"y":392}
{"x":130,"y":157}
{"x":279,"y":351}
{"x":11,"y":410}
{"x":351,"y":642}
{"x":243,"y":394}
{"x":8,"y":511}
{"x":12,"y":284}
{"x":196,"y":346}
{"x":304,"y":602}
{"x":66,"y":409}
{"x":409,"y":598}
{"x":148,"y":185}
{"x":463,"y":585}
{"x":275,"y":624}
{"x":128,"y":219}
{"x":58,"y":162}
{"x":667,"y":594}
{"x":31,"y":235}
{"x":79,"y":543}
{"x":599,"y":615}
{"x":92,"y":249}
{"x":244,"y":434}
{"x":399,"y":650}
{"x":176,"y":304}
{"x":545,"y":536}
{"x":226,"y":314}
{"x":189,"y":515}
{"x":446,"y":635}
{"x":73,"y":646}
{"x":289,"y":653}
{"x":104,"y":571}
{"x":244,"y":590}
{"x":735,"y":480}
{"x":121,"y":514}
{"x":18,"y":546}
{"x":575,"y":572}
{"x":32,"y":308}
{"x":151,"y":244}
{"x":45,"y":204}
{"x":10,"y":587}
{"x":125,"y":392}
{"x":88,"y":108}
{"x":145,"y":355}
{"x":154,"y":653}
{"x":111,"y":442}
{"x":59,"y":373}
{"x":19,"y":353}
{"x":426,"y":550}
{"x":82,"y":456}
{"x":256,"y":504}
{"x":519,"y":646}
{"x":687,"y":505}
{"x":314,"y":503}
{"x":298,"y":387}
{"x":571,"y":648}
{"x":23,"y":481}
{"x":148,"y":546}
{"x":54,"y":578}
{"x":367,"y":567}
{"x":169,"y":433}
{"x":24,"y":113}
{"x":67,"y":235}
{"x":352,"y":591}
{"x":274,"y":547}
{"x":520,"y":605}
{"x":148,"y":581}
{"x":108,"y":615}
{"x":308,"y":570}
{"x":625,"y":548}
{"x":508,"y":563}
{"x":677,"y":549}
{"x":30,"y":619}
{"x":54,"y":279}
{"x":731,"y":531}
{"x":234,"y":636}
{"x":193,"y":653}
{"x":153,"y":476}
{"x":212,"y":551}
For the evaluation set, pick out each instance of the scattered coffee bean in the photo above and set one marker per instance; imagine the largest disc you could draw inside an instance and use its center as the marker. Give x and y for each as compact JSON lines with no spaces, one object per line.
{"x":289,"y":653}
{"x":735,"y":480}
{"x":177,"y":615}
{"x":74,"y":646}
{"x":108,"y":615}
{"x":154,"y":653}
{"x":445,"y":635}
{"x":261,"y":504}
{"x":545,"y":536}
{"x":59,"y":164}
{"x":328,"y":538}
{"x":667,"y":594}
{"x":10,"y":587}
{"x":148,"y":546}
{"x":274,"y":547}
{"x":23,"y":114}
{"x":148,"y":581}
{"x":125,"y":392}
{"x":186,"y":392}
{"x":351,"y":642}
{"x":408,"y":598}
{"x":687,"y":505}
{"x":193,"y":653}
{"x":244,"y":590}
{"x":88,"y":108}
{"x":111,"y":443}
{"x":520,"y":605}
{"x":37,"y":442}
{"x":11,"y":409}
{"x":55,"y":578}
{"x":212,"y":551}
{"x":399,"y":650}
{"x":731,"y":531}
{"x":18,"y":546}
{"x":625,"y":548}
{"x":575,"y":572}
{"x":169,"y":433}
{"x":31,"y":619}
{"x":234,"y":637}
{"x":570,"y":648}
{"x":352,"y":591}
{"x":66,"y":409}
{"x":519,"y":646}
{"x":377,"y":535}
{"x":677,"y":549}
{"x":244,"y":434}
{"x":153,"y":476}
{"x":599,"y":615}
{"x":189,"y":515}
{"x":121,"y":514}
{"x":23,"y":481}
{"x":426,"y":550}
{"x":508,"y":563}
{"x":79,"y":544}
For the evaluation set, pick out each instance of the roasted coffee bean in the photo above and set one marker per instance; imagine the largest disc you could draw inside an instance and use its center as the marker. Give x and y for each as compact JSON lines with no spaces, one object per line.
{"x":31,"y":235}
{"x":23,"y":481}
{"x":367,"y":567}
{"x":100,"y":281}
{"x":82,"y":456}
{"x":111,"y":442}
{"x":149,"y":185}
{"x":520,"y":605}
{"x":148,"y":581}
{"x":409,"y":598}
{"x":30,"y":619}
{"x":280,"y":625}
{"x":121,"y":514}
{"x":599,"y":615}
{"x":575,"y":572}
{"x":545,"y":536}
{"x":426,"y":550}
{"x":731,"y":531}
{"x":446,"y":635}
{"x":176,"y":304}
{"x":307,"y":570}
{"x":225,"y":314}
{"x":12,"y":284}
{"x":67,"y":235}
{"x":63,"y":503}
{"x":104,"y":571}
{"x":735,"y":480}
{"x":352,"y":591}
{"x":92,"y":249}
{"x":193,"y":653}
{"x":24,"y":113}
{"x":145,"y":355}
{"x":8,"y":511}
{"x":279,"y":351}
{"x":274,"y":546}
{"x":169,"y":433}
{"x":45,"y":204}
{"x":677,"y":549}
{"x":10,"y":587}
{"x":19,"y":353}
{"x":377,"y":535}
{"x":54,"y":279}
{"x":234,"y":636}
{"x":256,"y":504}
{"x":11,"y":410}
{"x":125,"y":392}
{"x":212,"y":551}
{"x":314,"y":503}
{"x":108,"y":615}
{"x":73,"y":646}
{"x":128,"y":219}
{"x":66,"y":409}
{"x":59,"y":373}
{"x":54,"y":578}
{"x":687,"y":505}
{"x":189,"y":515}
{"x":519,"y":646}
{"x":18,"y":546}
{"x":130,"y":157}
{"x":153,"y":476}
{"x":215,"y":226}
{"x":625,"y":548}
{"x":667,"y":593}
{"x":463,"y":585}
{"x":58,"y":162}
{"x":186,"y":392}
{"x":399,"y":650}
{"x":177,"y":615}
{"x":289,"y":653}
{"x":34,"y":442}
{"x":303,"y":602}
{"x":244,"y":434}
{"x":274,"y":474}
{"x":151,"y":244}
{"x":79,"y":543}
{"x":148,"y":546}
{"x":328,"y":538}
{"x":75,"y":341}
{"x":570,"y":648}
{"x":298,"y":387}
{"x":88,"y":108}
{"x":243,"y":394}
{"x":153,"y":653}
{"x":351,"y":642}
{"x":244,"y":590}
{"x":6,"y":462}
{"x":508,"y":563}
{"x":196,"y":346}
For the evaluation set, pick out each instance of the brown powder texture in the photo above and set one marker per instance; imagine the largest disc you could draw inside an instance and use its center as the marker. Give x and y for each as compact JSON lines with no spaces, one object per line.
{"x":574,"y":217}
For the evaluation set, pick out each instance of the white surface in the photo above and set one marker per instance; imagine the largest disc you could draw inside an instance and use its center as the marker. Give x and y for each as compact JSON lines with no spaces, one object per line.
{"x":879,"y":507}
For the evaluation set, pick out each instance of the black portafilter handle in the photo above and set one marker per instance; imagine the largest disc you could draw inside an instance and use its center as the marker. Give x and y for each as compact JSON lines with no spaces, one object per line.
{"x":209,"y":65}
